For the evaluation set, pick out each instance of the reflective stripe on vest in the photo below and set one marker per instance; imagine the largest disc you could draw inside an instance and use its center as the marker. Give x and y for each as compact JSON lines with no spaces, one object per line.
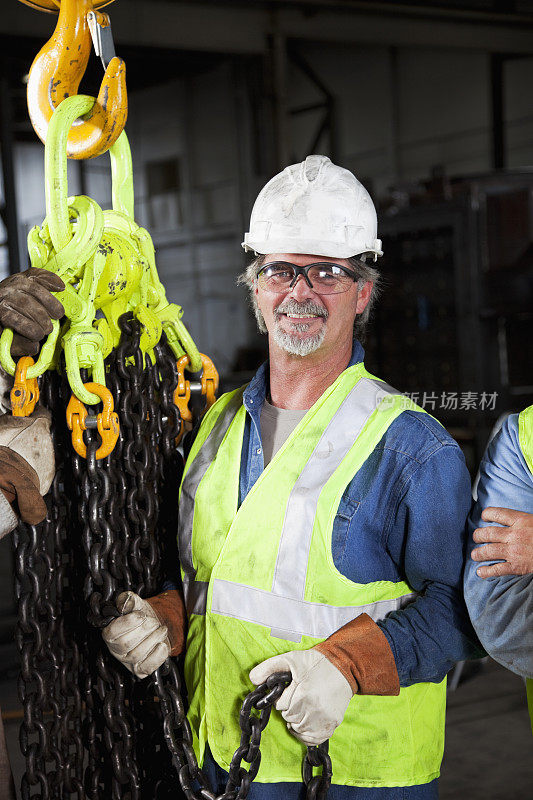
{"x":289,"y":618}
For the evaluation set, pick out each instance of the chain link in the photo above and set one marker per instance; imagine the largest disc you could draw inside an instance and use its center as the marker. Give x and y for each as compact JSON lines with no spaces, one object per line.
{"x":111,"y":525}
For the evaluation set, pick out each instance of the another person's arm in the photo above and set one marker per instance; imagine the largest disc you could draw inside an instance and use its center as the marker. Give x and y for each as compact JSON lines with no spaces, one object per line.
{"x":501,"y":604}
{"x":509,"y":543}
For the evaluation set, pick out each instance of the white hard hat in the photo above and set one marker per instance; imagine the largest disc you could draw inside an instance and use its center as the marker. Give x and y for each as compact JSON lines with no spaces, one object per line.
{"x":314,"y":207}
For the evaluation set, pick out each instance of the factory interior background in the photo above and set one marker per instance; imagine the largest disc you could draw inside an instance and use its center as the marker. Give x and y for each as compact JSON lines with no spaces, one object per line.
{"x":430,"y":105}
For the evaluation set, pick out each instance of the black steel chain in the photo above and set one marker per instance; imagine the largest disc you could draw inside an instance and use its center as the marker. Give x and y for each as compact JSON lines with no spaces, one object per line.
{"x":52,"y":661}
{"x":111,"y":524}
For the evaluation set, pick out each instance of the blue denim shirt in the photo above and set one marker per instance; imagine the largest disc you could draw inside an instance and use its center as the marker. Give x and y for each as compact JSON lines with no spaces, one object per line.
{"x":501,"y":609}
{"x":402,"y":517}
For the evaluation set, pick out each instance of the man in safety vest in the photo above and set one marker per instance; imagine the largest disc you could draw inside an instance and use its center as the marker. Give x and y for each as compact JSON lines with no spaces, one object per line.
{"x":499,"y":594}
{"x":322,"y":520}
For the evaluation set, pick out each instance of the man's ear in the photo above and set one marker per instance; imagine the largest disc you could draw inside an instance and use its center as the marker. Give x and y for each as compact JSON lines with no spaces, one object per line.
{"x":364,"y":296}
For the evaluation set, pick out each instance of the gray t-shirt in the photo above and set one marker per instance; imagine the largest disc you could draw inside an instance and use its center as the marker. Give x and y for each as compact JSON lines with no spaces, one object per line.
{"x":277,"y":424}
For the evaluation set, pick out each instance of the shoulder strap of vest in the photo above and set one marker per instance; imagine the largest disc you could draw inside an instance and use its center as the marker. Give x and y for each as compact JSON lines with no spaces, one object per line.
{"x":525,"y":435}
{"x":406,"y":402}
{"x":224,"y":409}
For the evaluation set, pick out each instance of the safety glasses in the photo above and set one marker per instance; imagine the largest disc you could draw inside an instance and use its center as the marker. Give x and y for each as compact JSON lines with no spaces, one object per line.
{"x":324,"y":277}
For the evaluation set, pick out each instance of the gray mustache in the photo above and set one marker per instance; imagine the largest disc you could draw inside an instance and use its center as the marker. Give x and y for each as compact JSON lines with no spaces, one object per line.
{"x":307,"y":307}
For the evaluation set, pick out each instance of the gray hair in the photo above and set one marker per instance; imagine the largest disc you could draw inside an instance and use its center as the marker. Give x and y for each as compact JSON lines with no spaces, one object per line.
{"x":359,"y":265}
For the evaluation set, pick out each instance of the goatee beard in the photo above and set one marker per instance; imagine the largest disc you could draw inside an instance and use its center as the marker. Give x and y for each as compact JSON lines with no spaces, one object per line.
{"x":295,"y":345}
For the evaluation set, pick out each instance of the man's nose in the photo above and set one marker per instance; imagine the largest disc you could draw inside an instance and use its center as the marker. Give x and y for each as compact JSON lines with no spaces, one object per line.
{"x":301,"y":289}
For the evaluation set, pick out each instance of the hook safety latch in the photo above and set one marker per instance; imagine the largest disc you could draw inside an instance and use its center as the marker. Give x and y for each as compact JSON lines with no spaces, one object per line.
{"x":25,"y":391}
{"x":106,"y":422}
{"x":102,"y":36}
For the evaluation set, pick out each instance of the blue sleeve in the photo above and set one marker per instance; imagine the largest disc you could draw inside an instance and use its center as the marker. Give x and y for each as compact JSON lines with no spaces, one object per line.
{"x":426,"y":538}
{"x":501,"y":609}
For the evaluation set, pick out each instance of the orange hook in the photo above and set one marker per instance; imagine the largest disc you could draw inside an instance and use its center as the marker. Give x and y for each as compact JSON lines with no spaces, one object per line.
{"x":182,"y":396}
{"x":106,"y":422}
{"x":208,"y":388}
{"x":58,"y":69}
{"x":25,"y":391}
{"x":209,"y":381}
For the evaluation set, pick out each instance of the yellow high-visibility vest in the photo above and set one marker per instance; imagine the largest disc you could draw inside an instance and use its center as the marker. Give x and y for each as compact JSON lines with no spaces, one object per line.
{"x":259,"y":580}
{"x":525,"y":438}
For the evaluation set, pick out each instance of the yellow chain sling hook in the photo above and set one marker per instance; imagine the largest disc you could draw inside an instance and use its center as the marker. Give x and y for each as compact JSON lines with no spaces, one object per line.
{"x":106,"y":422}
{"x":58,"y":69}
{"x":25,"y":391}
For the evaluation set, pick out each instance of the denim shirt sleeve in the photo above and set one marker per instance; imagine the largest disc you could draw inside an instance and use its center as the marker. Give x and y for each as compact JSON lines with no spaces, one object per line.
{"x":425,"y":536}
{"x":501,"y":609}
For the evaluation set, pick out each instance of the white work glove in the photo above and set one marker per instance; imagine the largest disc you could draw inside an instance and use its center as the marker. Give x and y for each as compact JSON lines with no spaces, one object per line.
{"x":315,"y":701}
{"x":26,"y":468}
{"x":138,"y":638}
{"x":6,"y":384}
{"x":30,"y":438}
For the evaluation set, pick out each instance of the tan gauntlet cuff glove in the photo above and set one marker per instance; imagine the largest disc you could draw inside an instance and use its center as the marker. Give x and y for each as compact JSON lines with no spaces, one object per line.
{"x":170,"y":609}
{"x":361,"y":652}
{"x":20,"y":482}
{"x":147,"y":632}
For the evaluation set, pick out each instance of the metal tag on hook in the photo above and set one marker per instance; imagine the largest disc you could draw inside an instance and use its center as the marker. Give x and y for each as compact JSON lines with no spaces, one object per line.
{"x":102,"y":36}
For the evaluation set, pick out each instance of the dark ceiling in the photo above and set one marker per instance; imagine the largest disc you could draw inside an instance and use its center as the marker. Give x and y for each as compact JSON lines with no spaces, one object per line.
{"x":499,"y":7}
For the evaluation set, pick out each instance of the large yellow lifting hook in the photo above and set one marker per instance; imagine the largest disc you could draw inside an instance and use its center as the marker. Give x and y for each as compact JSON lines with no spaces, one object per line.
{"x":59,"y":67}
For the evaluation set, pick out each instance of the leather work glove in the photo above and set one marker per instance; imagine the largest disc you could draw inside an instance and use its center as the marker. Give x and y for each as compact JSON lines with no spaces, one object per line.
{"x":356,"y":659}
{"x":27,"y":306}
{"x":147,"y":632}
{"x":27,"y":462}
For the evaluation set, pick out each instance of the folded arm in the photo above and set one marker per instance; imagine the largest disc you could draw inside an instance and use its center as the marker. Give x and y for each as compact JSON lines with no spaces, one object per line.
{"x":501,"y":604}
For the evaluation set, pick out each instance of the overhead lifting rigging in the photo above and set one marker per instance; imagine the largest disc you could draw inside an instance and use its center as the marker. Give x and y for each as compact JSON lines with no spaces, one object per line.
{"x":90,"y":730}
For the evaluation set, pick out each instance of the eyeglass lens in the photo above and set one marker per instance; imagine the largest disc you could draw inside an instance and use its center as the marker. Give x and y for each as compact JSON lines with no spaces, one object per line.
{"x":325,"y":278}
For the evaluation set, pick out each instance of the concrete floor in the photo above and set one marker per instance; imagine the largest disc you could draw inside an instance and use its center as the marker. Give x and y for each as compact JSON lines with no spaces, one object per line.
{"x":489,"y":746}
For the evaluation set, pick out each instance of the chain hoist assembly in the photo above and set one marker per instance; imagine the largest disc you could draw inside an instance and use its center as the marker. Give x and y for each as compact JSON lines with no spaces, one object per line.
{"x":114,"y":375}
